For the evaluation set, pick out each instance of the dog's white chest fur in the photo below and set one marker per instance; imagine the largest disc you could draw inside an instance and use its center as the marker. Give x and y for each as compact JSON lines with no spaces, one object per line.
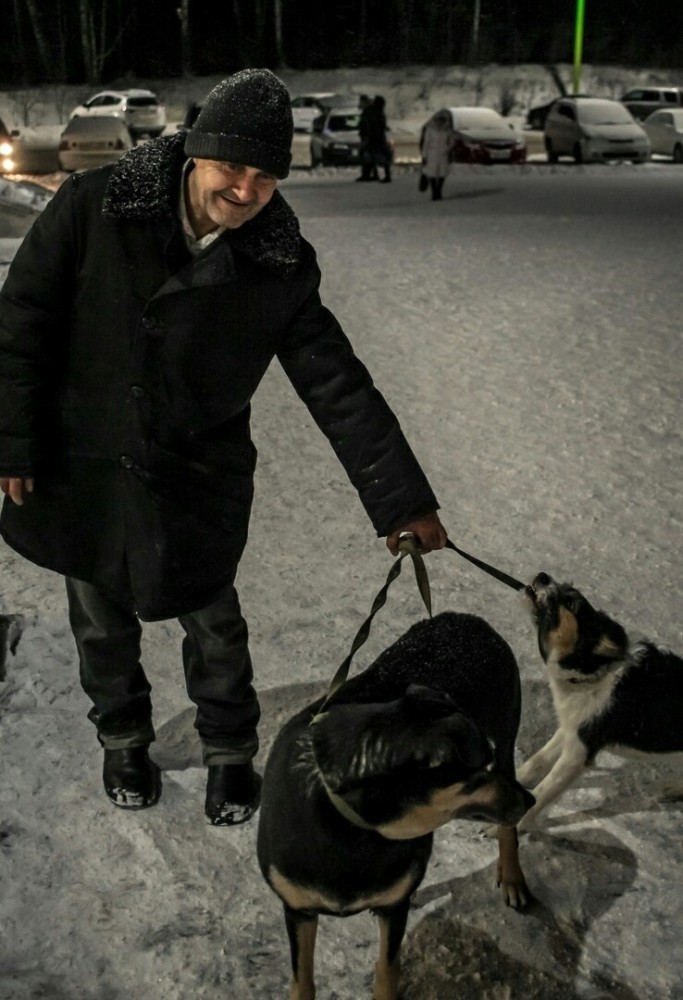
{"x":578,"y":698}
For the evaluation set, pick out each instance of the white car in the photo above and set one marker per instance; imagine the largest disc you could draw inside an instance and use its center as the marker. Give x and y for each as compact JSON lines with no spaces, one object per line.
{"x":93,"y":142}
{"x":306,"y":108}
{"x":141,"y":110}
{"x":665,"y":131}
{"x":335,"y":138}
{"x":594,"y":129}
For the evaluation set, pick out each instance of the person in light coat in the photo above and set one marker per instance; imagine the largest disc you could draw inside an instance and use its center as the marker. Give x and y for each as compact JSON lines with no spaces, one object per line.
{"x":437,"y":143}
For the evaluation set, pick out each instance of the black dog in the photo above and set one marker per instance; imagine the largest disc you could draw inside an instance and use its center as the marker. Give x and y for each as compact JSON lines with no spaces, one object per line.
{"x":352,"y":794}
{"x":608,"y":693}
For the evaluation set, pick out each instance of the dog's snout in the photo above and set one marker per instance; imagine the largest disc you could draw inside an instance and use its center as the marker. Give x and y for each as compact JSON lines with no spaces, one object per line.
{"x":542,"y":580}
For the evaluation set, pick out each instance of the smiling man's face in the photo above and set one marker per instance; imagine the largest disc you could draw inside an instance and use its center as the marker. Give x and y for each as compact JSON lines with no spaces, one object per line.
{"x":225,"y":194}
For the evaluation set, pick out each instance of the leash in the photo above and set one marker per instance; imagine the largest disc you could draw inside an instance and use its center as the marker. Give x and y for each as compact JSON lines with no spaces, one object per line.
{"x":491,"y":570}
{"x":407,"y":546}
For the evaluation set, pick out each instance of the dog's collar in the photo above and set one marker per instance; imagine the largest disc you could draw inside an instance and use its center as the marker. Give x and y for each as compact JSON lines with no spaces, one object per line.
{"x":342,"y":806}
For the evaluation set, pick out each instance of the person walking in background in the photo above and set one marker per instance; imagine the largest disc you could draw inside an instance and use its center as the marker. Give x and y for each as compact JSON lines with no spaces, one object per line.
{"x":137,"y":320}
{"x":377,"y":145}
{"x":436,"y":147}
{"x":368,"y":168}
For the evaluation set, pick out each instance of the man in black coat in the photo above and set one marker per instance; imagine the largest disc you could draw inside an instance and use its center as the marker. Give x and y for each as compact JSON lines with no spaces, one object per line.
{"x":136,"y":322}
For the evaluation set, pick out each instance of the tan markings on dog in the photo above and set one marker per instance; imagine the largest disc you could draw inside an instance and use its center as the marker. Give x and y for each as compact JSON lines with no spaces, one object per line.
{"x":426,"y":816}
{"x":562,"y":640}
{"x":303,"y":985}
{"x":302,"y":897}
{"x":445,"y":804}
{"x":386,"y":972}
{"x":510,"y":875}
{"x":606,"y":647}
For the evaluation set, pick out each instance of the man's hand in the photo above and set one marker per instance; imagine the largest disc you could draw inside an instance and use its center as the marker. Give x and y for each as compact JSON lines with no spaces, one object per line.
{"x":15,"y":488}
{"x":428,"y":530}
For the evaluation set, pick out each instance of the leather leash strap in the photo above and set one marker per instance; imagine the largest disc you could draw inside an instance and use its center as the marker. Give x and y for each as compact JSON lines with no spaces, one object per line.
{"x":491,"y":570}
{"x":407,"y":546}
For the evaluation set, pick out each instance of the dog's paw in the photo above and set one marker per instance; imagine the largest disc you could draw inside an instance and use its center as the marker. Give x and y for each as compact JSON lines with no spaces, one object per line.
{"x":516,"y":893}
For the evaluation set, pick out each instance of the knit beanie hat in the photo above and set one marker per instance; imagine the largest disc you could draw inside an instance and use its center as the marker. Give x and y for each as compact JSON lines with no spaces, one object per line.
{"x":246,"y":119}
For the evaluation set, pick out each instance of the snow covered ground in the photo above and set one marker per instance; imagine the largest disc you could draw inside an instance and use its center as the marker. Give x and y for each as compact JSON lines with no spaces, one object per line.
{"x":527,"y":333}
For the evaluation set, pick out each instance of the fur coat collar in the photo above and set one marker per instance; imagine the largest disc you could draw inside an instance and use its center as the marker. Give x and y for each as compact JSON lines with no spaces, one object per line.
{"x":144,"y":186}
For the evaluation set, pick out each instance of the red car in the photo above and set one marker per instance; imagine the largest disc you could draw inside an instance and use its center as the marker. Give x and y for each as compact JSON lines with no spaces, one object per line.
{"x":484,"y":136}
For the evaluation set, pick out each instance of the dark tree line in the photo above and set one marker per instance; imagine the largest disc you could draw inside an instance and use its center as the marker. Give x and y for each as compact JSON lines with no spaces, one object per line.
{"x":93,"y":41}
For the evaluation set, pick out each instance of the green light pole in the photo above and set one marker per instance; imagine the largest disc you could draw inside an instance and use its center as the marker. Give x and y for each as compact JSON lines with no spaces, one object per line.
{"x":578,"y":45}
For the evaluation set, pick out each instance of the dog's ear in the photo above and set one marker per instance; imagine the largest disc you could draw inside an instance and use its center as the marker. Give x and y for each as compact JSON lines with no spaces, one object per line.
{"x":613,"y":642}
{"x":472,"y":747}
{"x":426,"y":701}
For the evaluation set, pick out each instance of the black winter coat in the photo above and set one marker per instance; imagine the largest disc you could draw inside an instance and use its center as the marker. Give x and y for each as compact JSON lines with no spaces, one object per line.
{"x":126,"y":373}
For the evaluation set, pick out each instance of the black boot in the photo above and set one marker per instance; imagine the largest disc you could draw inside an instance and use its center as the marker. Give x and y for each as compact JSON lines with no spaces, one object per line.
{"x":436,"y":184}
{"x":233,"y":793}
{"x":131,"y":779}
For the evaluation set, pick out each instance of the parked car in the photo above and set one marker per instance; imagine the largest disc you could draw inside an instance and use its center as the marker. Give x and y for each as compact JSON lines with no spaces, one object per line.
{"x":594,"y":129}
{"x":642,"y":101}
{"x":484,"y":136}
{"x":665,"y":131}
{"x":8,"y":159}
{"x":92,"y":142}
{"x":141,"y":110}
{"x":335,"y":138}
{"x":536,"y":117}
{"x":306,"y":108}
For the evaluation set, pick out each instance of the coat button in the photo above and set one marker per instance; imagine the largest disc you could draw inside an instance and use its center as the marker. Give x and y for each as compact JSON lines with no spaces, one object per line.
{"x":126,"y":461}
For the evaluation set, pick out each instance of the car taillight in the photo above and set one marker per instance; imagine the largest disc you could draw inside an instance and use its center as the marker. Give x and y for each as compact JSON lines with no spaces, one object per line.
{"x":63,"y":144}
{"x":119,"y":144}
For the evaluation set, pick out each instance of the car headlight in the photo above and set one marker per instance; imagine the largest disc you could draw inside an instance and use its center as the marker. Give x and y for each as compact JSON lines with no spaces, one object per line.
{"x":6,"y":149}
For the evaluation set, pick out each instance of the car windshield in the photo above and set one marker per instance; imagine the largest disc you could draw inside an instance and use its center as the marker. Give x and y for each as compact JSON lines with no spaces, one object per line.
{"x":476,"y":118}
{"x":604,"y":113}
{"x":344,"y":123}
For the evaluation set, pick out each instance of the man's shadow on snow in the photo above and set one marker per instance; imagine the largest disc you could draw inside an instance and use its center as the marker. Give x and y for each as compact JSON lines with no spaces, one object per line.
{"x":473,"y":942}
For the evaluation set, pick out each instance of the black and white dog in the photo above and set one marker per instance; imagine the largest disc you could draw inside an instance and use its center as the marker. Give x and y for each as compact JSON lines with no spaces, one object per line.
{"x":608,"y":694}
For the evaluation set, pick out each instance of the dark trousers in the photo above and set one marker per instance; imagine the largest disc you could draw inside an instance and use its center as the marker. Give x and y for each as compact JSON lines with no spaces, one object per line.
{"x":216,"y":661}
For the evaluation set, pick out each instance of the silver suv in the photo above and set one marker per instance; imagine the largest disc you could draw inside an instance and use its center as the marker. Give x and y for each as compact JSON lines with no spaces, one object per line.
{"x":141,"y":110}
{"x":642,"y":101}
{"x":594,"y":129}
